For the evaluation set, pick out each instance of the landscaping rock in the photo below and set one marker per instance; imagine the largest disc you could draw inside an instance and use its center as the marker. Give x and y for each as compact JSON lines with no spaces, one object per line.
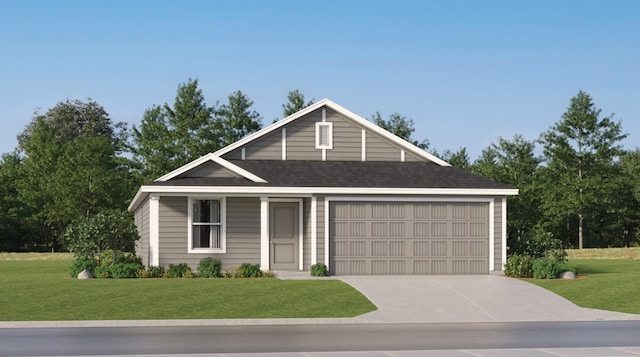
{"x":568,"y":275}
{"x":85,"y":274}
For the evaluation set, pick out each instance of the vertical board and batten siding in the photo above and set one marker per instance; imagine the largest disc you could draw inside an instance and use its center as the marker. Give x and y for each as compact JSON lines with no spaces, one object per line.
{"x":209,"y":169}
{"x":142,"y":225}
{"x":497,"y":231}
{"x":242,"y":232}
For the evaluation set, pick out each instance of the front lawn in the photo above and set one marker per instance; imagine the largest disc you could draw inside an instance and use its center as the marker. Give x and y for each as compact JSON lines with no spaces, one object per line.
{"x":41,"y":290}
{"x":605,"y":284}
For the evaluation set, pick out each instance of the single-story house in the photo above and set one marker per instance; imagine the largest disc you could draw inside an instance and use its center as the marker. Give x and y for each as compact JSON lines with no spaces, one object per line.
{"x":325,"y":185}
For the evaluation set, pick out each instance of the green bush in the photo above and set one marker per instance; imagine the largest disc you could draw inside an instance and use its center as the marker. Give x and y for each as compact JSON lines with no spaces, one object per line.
{"x":248,"y":270}
{"x":181,"y":270}
{"x":103,"y":271}
{"x":566,"y":266}
{"x":546,"y":268}
{"x":124,"y":270}
{"x":519,"y":266}
{"x":319,"y":270}
{"x":154,"y":272}
{"x":80,"y":264}
{"x":538,"y":243}
{"x":210,"y":268}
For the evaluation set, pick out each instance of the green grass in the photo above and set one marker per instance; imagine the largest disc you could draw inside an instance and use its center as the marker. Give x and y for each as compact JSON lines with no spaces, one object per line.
{"x":41,"y":290}
{"x":605,"y":284}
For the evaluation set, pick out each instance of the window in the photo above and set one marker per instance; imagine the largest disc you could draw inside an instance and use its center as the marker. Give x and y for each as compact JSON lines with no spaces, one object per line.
{"x":324,"y":135}
{"x":206,"y":226}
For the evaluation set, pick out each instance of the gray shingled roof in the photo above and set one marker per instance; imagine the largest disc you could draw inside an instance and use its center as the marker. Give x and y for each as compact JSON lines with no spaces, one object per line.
{"x":292,"y":173}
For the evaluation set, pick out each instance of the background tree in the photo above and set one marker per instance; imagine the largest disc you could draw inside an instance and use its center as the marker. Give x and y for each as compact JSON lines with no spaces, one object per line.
{"x":514,"y":162}
{"x":459,"y":159}
{"x":171,"y":136}
{"x":15,"y":232}
{"x":70,"y":166}
{"x":579,"y":153}
{"x":236,"y":119}
{"x":295,"y":103}
{"x":401,"y":126}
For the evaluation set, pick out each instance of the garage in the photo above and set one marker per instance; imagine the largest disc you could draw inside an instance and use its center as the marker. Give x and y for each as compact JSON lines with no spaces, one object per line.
{"x":409,"y":238}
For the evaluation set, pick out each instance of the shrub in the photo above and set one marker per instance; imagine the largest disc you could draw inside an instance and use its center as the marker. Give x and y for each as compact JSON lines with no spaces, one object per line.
{"x":154,"y":272}
{"x":538,"y":243}
{"x":546,"y":268}
{"x":233,"y":272}
{"x":248,"y":270}
{"x":210,"y":268}
{"x":79,"y":264}
{"x":319,"y":270}
{"x":566,"y":266}
{"x":519,"y":266}
{"x":180,"y":270}
{"x":103,"y":271}
{"x":124,"y":270}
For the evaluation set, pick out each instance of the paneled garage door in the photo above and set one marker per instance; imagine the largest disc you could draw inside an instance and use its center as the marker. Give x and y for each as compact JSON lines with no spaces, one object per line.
{"x":408,"y":238}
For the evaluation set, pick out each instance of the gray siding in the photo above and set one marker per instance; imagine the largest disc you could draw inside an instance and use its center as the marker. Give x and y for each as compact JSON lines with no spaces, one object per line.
{"x":379,"y":149}
{"x":142,"y":224}
{"x":209,"y":169}
{"x":268,"y":147}
{"x":347,"y":139}
{"x":243,"y":233}
{"x":497,"y":234}
{"x":301,"y":138}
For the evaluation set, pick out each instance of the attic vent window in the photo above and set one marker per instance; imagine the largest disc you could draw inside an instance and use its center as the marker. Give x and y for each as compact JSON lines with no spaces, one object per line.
{"x":324,"y":135}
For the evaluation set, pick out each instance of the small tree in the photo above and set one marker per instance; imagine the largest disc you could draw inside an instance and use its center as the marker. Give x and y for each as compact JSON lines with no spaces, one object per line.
{"x":89,"y":237}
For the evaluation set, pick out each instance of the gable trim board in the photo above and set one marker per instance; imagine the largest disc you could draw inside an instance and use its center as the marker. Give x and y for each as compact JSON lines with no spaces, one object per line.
{"x":367,"y":125}
{"x":248,"y":185}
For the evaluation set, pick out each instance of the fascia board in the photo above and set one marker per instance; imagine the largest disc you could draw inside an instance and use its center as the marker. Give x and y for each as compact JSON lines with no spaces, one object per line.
{"x":252,"y":190}
{"x":343,"y":111}
{"x":218,"y":160}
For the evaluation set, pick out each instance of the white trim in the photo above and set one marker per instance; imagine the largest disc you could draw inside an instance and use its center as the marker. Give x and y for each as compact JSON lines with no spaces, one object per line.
{"x":314,"y":229}
{"x":284,"y":144}
{"x":326,"y":232}
{"x":218,"y":160}
{"x":243,"y":154}
{"x":264,"y":233}
{"x":154,"y":230}
{"x":324,"y":115}
{"x":329,"y":144}
{"x":401,"y":155}
{"x":504,"y":232}
{"x":223,"y":226}
{"x":492,"y":236}
{"x":309,"y":191}
{"x":324,"y":154}
{"x":364,"y":145}
{"x":344,"y":112}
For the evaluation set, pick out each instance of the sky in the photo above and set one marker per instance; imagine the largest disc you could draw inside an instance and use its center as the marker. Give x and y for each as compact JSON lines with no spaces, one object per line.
{"x":466,"y":72}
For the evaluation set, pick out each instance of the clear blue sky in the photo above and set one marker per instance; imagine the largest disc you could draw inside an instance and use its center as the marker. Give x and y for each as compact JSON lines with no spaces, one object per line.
{"x":466,"y":72}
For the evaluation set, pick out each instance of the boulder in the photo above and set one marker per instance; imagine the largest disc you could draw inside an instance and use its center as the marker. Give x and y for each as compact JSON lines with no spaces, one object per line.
{"x":85,"y":274}
{"x":568,"y":275}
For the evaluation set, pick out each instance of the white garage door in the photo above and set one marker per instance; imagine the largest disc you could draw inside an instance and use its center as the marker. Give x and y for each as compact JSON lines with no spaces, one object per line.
{"x":409,"y":238}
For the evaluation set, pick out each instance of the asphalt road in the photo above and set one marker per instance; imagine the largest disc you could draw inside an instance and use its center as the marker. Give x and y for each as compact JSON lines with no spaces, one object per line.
{"x":314,"y":338}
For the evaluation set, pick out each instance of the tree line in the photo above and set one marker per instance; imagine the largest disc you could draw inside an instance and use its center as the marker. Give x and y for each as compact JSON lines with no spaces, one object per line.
{"x":72,"y":162}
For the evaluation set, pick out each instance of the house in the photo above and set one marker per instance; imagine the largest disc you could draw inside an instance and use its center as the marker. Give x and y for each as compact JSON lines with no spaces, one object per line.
{"x":325,"y":185}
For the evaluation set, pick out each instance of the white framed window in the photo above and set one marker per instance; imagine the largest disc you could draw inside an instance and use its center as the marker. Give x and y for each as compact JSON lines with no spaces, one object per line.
{"x":207,"y":231}
{"x":324,"y":135}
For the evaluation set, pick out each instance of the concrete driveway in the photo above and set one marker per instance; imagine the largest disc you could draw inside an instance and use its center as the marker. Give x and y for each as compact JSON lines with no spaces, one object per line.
{"x":488,"y":298}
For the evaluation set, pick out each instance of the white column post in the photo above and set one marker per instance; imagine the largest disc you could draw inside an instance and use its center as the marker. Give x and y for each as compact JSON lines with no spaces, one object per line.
{"x":314,"y":230}
{"x":492,"y":235}
{"x":264,"y":233}
{"x":154,"y":230}
{"x":504,"y":231}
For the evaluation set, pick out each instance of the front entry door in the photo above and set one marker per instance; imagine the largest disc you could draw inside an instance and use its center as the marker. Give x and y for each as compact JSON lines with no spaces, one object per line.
{"x":284,"y":235}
